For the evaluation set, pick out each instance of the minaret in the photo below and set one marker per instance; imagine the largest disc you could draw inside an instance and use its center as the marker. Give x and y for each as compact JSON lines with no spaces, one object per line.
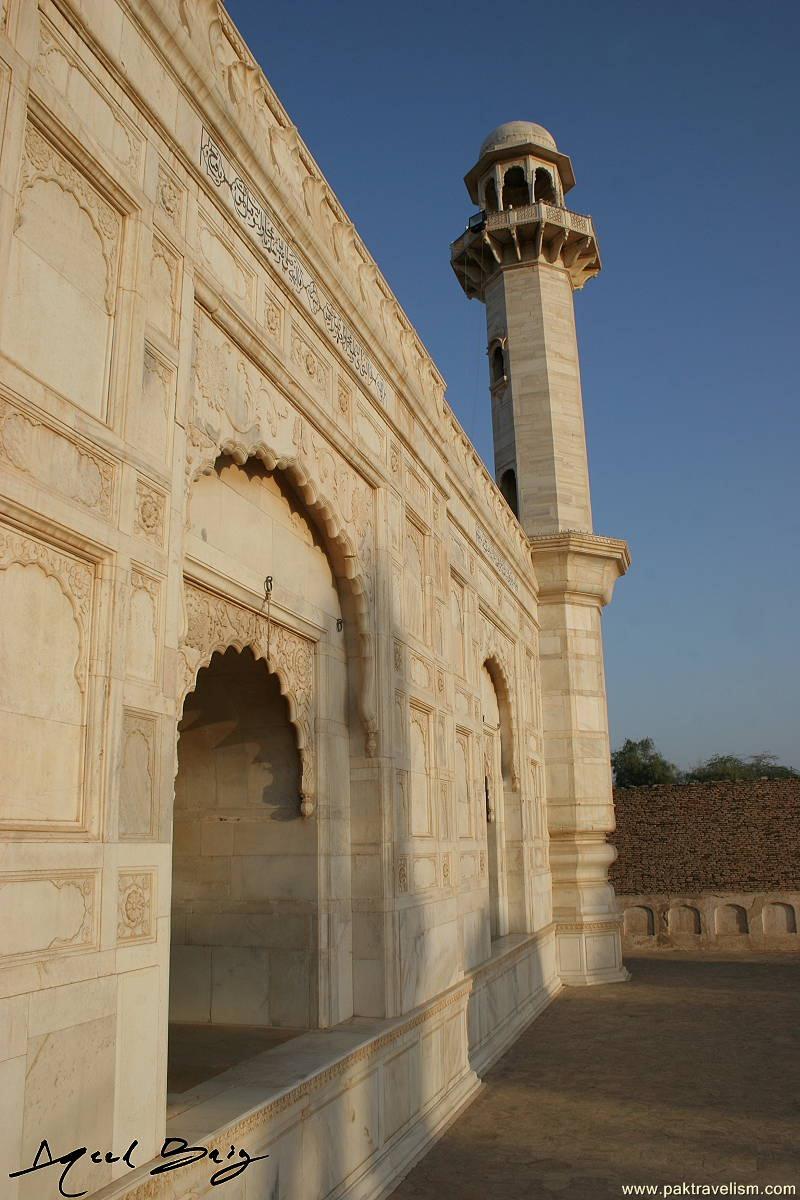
{"x":524,"y":254}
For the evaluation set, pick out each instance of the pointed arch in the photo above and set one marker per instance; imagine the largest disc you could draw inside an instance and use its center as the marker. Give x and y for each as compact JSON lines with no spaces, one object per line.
{"x":495,"y":664}
{"x":331,"y":523}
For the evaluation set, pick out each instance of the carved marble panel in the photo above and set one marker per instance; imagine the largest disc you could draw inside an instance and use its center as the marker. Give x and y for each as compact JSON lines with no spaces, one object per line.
{"x":60,"y":462}
{"x":425,"y":872}
{"x":62,"y":277}
{"x":414,"y":576}
{"x":170,"y":199}
{"x":402,"y":824}
{"x":344,"y":399}
{"x":420,"y":671}
{"x":138,"y":816}
{"x":274,"y":316}
{"x":150,"y":512}
{"x":457,"y":627}
{"x":44,"y":683}
{"x":400,"y":724}
{"x":420,"y":753}
{"x":417,"y":491}
{"x":148,"y":423}
{"x":227,"y":268}
{"x":136,"y":911}
{"x":314,"y":371}
{"x":143,"y":658}
{"x":464,"y":784}
{"x":469,"y":869}
{"x":371,"y":434}
{"x":163,"y":309}
{"x":88,"y":99}
{"x":44,"y":913}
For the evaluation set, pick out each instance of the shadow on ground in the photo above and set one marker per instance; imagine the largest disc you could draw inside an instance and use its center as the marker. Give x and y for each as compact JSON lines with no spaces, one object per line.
{"x":690,"y":1072}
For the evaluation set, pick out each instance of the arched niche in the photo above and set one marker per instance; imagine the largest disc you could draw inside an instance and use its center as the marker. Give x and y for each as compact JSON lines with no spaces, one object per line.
{"x":731,"y":919}
{"x":503,"y":804}
{"x":778,"y":919}
{"x":495,"y":664}
{"x":684,"y":919}
{"x":639,"y":921}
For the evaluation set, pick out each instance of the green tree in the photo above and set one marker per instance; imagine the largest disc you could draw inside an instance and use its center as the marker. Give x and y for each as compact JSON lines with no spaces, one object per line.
{"x":731,"y":766}
{"x":636,"y":764}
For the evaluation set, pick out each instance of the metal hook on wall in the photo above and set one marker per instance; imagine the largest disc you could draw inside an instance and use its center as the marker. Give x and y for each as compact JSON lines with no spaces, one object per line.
{"x":268,"y":601}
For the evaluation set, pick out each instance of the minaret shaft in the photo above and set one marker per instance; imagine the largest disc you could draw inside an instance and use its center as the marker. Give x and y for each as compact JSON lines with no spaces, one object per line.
{"x":524,"y":254}
{"x":537,"y":413}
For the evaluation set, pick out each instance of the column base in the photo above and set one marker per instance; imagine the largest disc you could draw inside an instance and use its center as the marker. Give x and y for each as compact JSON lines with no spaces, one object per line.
{"x":590,"y":952}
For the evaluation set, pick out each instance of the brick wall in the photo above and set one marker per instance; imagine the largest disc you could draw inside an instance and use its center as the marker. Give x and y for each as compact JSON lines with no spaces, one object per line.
{"x":722,"y":837}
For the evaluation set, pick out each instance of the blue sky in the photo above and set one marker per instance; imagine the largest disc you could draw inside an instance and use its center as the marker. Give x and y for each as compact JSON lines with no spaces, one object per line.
{"x":681,"y":121}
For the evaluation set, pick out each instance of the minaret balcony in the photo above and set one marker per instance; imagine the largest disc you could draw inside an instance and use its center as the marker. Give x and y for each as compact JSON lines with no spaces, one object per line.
{"x":531,"y":233}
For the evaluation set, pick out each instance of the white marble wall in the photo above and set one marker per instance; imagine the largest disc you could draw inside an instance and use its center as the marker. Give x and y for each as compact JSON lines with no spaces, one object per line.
{"x":136,"y":530}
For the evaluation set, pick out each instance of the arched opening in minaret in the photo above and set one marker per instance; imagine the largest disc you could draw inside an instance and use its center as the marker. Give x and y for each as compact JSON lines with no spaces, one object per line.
{"x":515,"y":188}
{"x":490,"y":196}
{"x":498,"y":365}
{"x":543,"y":187}
{"x":508,"y":486}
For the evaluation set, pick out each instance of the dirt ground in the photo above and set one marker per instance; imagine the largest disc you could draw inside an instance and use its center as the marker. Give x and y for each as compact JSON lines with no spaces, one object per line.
{"x":689,"y":1073}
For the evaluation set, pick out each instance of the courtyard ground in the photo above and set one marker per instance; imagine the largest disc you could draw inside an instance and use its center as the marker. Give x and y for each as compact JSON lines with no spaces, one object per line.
{"x":689,"y":1073}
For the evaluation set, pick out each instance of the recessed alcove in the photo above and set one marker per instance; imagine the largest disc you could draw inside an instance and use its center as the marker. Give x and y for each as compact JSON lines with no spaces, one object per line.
{"x":244,"y":902}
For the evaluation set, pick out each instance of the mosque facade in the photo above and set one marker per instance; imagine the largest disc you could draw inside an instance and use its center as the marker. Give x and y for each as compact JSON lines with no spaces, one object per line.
{"x":306,"y":780}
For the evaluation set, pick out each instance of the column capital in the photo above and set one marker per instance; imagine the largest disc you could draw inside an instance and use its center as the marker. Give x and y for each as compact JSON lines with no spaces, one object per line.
{"x":578,"y":566}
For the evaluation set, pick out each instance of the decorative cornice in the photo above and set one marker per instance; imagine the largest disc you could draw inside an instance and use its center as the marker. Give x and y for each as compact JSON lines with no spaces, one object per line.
{"x":577,"y":565}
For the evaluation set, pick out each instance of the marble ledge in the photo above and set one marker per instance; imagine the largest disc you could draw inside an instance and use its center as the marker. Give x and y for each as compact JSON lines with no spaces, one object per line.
{"x":273,"y":1075}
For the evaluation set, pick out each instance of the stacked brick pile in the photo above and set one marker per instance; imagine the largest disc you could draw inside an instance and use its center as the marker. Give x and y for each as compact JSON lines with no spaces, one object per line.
{"x":720,"y":837}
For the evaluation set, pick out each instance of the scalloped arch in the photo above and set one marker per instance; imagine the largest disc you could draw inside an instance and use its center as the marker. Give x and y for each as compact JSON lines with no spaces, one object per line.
{"x":340,"y":548}
{"x":300,"y":724}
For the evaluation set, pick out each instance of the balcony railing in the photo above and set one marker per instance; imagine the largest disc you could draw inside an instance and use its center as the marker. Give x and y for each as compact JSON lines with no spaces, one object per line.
{"x":550,"y":213}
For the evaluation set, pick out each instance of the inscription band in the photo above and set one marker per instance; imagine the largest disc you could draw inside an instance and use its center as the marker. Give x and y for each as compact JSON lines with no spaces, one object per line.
{"x":253,"y":213}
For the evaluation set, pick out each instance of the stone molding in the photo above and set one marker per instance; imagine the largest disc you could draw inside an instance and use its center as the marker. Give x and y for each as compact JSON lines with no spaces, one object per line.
{"x":579,"y":566}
